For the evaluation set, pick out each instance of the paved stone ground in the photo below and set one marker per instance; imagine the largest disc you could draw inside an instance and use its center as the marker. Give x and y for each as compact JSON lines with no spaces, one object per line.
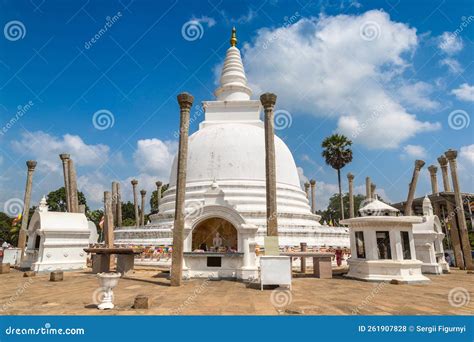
{"x":309,"y":296}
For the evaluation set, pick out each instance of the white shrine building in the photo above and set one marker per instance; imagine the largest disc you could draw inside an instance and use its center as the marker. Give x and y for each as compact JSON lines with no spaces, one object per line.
{"x":225,"y":183}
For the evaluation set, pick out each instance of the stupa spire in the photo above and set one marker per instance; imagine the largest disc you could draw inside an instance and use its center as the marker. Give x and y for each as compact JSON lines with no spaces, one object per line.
{"x":233,"y":82}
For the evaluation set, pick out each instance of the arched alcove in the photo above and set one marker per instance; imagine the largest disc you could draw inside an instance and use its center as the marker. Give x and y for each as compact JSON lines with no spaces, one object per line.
{"x":204,"y":234}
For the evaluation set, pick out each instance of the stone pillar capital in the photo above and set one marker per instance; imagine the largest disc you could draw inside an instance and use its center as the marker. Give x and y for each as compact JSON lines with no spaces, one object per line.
{"x":312,"y":182}
{"x":419,"y":164}
{"x":306,"y":185}
{"x":451,"y":154}
{"x":143,"y":192}
{"x":350,"y":177}
{"x":134,"y":182}
{"x":432,"y":169}
{"x":158,"y":184}
{"x":64,"y":156}
{"x":443,"y":161}
{"x":31,"y":165}
{"x":185,"y":100}
{"x":268,"y":100}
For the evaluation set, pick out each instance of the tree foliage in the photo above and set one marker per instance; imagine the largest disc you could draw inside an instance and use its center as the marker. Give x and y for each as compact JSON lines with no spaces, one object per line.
{"x":153,"y":197}
{"x":57,"y":200}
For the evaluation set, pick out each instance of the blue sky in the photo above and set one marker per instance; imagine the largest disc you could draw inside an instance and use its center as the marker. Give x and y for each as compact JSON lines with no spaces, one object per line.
{"x":395,"y":76}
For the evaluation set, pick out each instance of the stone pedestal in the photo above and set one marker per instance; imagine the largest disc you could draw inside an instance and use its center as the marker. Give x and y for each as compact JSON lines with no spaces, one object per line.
{"x":100,"y":263}
{"x":322,"y":267}
{"x":56,"y":276}
{"x":141,"y":302}
{"x":125,"y":263}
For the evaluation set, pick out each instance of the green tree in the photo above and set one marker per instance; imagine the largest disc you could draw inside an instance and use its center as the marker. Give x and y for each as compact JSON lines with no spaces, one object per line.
{"x":128,"y":214}
{"x":153,"y":197}
{"x":337,"y":154}
{"x":6,"y":230}
{"x":332,"y":212}
{"x":57,"y":200}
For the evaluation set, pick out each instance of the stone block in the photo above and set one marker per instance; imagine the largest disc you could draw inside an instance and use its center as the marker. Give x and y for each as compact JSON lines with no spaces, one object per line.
{"x":56,"y":276}
{"x":141,"y":302}
{"x":4,"y":268}
{"x":322,"y":267}
{"x":125,"y":263}
{"x":28,"y":274}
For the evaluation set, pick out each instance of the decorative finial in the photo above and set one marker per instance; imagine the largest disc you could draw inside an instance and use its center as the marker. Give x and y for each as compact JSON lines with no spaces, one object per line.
{"x":233,"y":38}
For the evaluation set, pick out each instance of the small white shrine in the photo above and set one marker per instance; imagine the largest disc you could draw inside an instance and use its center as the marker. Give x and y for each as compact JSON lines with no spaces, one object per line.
{"x":382,"y":245}
{"x":56,"y":241}
{"x":429,"y":242}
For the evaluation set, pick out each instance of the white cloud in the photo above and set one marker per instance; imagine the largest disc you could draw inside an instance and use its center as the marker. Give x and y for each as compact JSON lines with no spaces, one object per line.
{"x":452,"y":65}
{"x":417,"y":96}
{"x":46,"y":148}
{"x":340,"y":67}
{"x":243,"y":19}
{"x":209,"y":21}
{"x":467,"y":153}
{"x":449,"y":43}
{"x":155,"y":157}
{"x":465,"y":92}
{"x":414,"y":152}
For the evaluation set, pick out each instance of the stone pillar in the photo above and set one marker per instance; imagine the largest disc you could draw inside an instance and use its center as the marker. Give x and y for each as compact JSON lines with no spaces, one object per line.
{"x":451,"y":223}
{"x":268,"y":101}
{"x":142,"y":213}
{"x":31,"y":164}
{"x":114,"y":202}
{"x":350,"y":178}
{"x":306,"y":189}
{"x":135,"y":202}
{"x":368,"y":194}
{"x":312,"y":182}
{"x":372,"y":190}
{"x":434,"y":187}
{"x":73,"y":188}
{"x":411,"y":191}
{"x":304,"y":248}
{"x":443,"y":162}
{"x":119,"y":205}
{"x":185,"y":101}
{"x":65,"y":159}
{"x":159,"y":186}
{"x":465,"y":244}
{"x":108,"y":220}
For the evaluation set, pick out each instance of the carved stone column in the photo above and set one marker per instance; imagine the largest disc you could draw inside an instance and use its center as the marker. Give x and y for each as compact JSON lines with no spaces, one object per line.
{"x":434,"y":181}
{"x":108,"y":220}
{"x":119,"y":205}
{"x":350,"y":178}
{"x":31,"y":164}
{"x":135,"y":202}
{"x":451,"y":223}
{"x":73,"y":187}
{"x":411,"y":191}
{"x":65,"y":160}
{"x":465,"y":244}
{"x":268,"y":101}
{"x":142,"y":213}
{"x":159,"y":186}
{"x":306,"y":189}
{"x":185,"y":101}
{"x":312,"y":182}
{"x":368,"y":194}
{"x":114,"y":202}
{"x":372,"y":190}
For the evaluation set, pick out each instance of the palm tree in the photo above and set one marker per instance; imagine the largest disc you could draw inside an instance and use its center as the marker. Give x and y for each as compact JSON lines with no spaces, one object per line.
{"x":337,"y":153}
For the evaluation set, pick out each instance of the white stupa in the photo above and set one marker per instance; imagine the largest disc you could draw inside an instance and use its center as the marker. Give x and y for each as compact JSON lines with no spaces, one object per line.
{"x":225,"y":182}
